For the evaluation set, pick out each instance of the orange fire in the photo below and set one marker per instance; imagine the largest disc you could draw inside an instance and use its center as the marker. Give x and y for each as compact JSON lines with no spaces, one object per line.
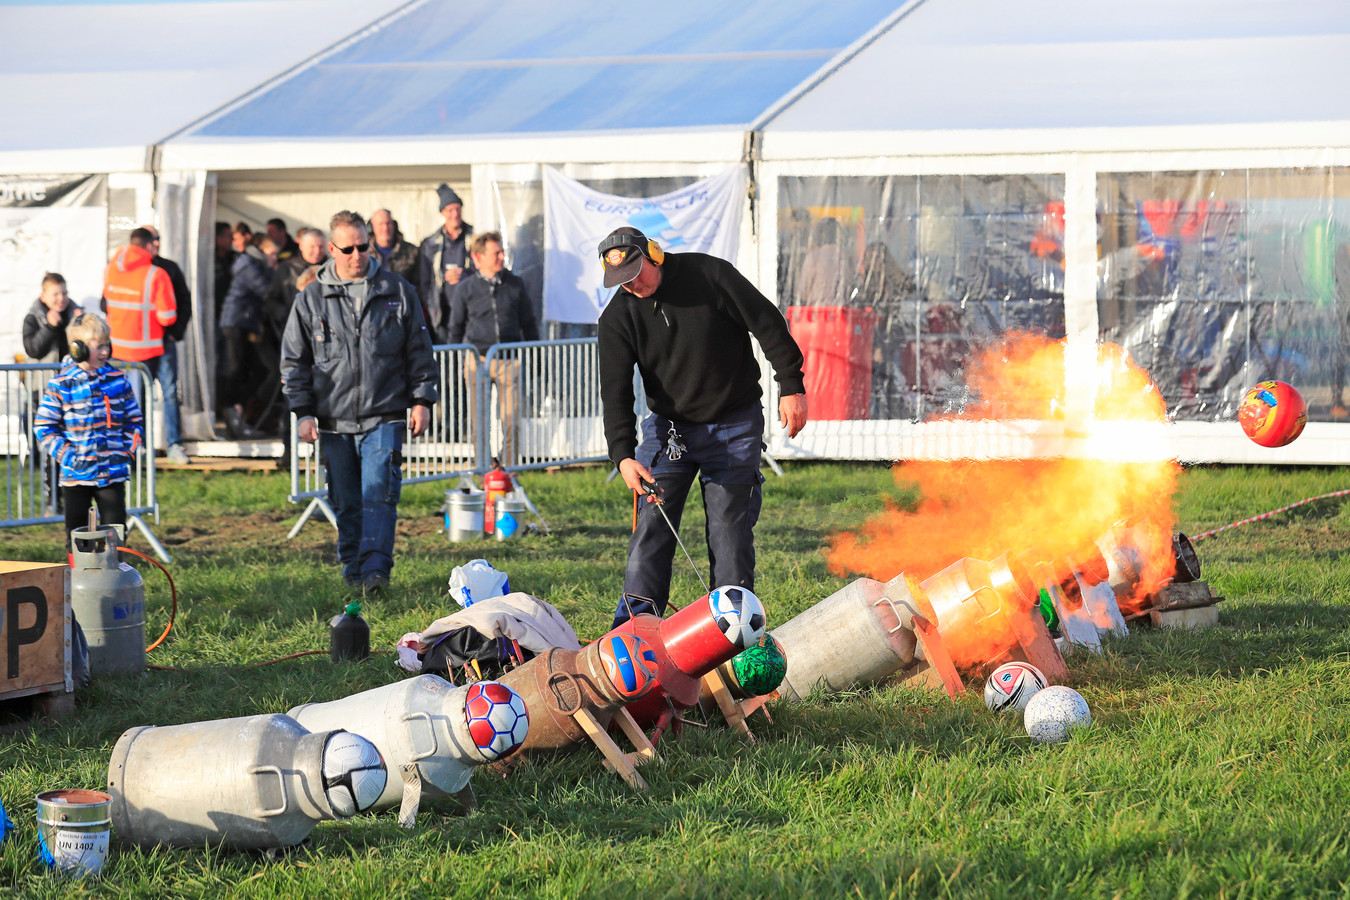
{"x":1109,"y":476}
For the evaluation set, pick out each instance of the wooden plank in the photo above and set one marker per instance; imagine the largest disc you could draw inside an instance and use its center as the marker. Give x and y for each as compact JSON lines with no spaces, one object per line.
{"x":645,"y":750}
{"x":1195,"y":618}
{"x":1036,"y":643}
{"x":939,"y":660}
{"x":615,"y":759}
{"x":34,"y":628}
{"x":731,"y":710}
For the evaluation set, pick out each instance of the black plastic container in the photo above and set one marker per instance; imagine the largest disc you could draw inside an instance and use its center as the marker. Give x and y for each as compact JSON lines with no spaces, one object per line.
{"x":349,"y":635}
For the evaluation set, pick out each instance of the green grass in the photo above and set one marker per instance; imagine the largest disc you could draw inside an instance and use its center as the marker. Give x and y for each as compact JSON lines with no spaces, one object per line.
{"x":1217,"y":764}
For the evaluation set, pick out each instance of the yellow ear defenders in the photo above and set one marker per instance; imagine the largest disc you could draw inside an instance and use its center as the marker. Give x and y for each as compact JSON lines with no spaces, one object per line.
{"x":645,"y":245}
{"x":79,"y":351}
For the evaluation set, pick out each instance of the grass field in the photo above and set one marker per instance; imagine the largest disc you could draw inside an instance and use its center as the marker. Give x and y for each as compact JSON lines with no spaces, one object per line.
{"x":1217,"y":764}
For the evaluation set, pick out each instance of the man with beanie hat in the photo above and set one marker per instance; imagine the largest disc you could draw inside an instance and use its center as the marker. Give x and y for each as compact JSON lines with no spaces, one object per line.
{"x":685,"y":321}
{"x":444,"y":258}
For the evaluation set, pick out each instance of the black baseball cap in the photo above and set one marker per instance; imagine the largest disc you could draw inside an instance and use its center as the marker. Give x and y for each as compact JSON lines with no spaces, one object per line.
{"x":622,"y":252}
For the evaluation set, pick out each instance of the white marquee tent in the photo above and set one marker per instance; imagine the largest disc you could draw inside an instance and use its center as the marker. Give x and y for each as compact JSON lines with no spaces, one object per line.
{"x":1159,"y":174}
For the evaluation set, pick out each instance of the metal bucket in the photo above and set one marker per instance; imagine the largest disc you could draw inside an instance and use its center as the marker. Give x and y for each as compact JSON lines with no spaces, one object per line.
{"x":463,"y":514}
{"x":515,"y":508}
{"x":73,"y":828}
{"x":860,"y":634}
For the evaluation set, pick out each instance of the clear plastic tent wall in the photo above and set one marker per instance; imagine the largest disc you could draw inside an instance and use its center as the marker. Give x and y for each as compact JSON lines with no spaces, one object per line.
{"x":1216,"y":280}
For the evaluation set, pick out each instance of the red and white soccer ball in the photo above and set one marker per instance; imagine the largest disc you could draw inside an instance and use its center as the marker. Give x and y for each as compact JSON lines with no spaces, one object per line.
{"x":1011,"y":686}
{"x":498,"y":720}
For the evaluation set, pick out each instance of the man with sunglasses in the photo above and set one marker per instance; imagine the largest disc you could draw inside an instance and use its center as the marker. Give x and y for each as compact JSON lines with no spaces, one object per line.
{"x":685,"y":322}
{"x":356,"y":364}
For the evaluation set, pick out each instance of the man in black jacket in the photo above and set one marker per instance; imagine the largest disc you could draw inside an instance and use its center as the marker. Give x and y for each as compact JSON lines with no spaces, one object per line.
{"x":489,"y":306}
{"x":685,"y":321}
{"x":444,"y":258}
{"x":356,"y":363}
{"x":396,"y":254}
{"x":166,"y":373}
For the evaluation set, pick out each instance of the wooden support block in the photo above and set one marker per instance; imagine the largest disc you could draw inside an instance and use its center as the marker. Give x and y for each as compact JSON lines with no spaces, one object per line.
{"x":1187,"y":595}
{"x":939,"y":660}
{"x":731,"y":710}
{"x":615,"y":759}
{"x":759,"y":704}
{"x":645,"y":751}
{"x":1036,"y":643}
{"x":1196,"y":617}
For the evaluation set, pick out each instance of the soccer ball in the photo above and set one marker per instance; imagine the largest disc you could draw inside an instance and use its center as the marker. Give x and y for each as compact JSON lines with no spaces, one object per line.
{"x":1273,"y":414}
{"x":629,"y":662}
{"x":1012,"y":685}
{"x":498,"y":720}
{"x":354,"y":775}
{"x":1054,"y":712}
{"x":739,"y":615}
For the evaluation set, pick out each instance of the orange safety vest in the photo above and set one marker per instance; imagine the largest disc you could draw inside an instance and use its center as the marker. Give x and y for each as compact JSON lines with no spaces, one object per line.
{"x":140,"y":304}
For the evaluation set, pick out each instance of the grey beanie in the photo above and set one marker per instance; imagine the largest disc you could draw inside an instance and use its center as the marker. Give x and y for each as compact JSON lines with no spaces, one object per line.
{"x":447,"y":196}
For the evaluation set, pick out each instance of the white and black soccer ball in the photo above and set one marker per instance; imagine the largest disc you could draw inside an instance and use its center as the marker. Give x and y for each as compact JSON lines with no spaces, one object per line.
{"x":739,"y":615}
{"x":354,"y":774}
{"x":1054,"y":713}
{"x":1011,"y":686}
{"x":497,"y":718}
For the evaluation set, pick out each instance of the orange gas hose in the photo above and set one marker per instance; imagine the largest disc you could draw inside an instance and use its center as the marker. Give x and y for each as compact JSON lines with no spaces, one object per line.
{"x":173,"y":589}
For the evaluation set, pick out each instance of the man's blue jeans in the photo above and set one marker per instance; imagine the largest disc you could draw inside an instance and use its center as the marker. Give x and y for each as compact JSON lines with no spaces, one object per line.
{"x":725,"y":455}
{"x":364,"y":483}
{"x":164,"y":369}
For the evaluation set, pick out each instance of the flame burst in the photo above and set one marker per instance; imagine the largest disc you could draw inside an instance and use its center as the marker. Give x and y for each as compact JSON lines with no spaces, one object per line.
{"x":1103,"y":489}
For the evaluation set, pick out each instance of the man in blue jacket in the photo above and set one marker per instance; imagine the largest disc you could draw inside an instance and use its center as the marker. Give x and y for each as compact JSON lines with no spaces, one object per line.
{"x":356,"y":356}
{"x":489,"y":306}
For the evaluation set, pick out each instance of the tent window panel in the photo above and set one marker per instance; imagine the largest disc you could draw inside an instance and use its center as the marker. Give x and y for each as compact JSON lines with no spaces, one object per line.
{"x":1216,"y":280}
{"x":938,"y":266}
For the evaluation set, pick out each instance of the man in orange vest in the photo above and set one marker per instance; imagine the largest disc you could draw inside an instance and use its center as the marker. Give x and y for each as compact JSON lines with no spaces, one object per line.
{"x":139,"y":300}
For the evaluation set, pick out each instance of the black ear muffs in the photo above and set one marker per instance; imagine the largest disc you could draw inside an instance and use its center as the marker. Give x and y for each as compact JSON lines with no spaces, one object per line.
{"x":79,"y":351}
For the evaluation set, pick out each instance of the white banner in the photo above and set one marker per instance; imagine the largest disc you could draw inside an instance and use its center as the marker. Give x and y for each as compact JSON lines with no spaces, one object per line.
{"x":704,"y":217}
{"x":49,"y":224}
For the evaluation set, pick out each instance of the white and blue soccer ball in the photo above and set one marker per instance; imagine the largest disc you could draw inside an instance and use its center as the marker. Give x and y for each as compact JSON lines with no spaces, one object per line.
{"x":739,"y":615}
{"x":354,"y":774}
{"x":1012,"y":685}
{"x":1054,"y":713}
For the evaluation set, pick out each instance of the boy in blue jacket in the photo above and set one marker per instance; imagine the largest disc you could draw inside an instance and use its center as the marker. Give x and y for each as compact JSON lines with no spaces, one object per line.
{"x":90,"y":423}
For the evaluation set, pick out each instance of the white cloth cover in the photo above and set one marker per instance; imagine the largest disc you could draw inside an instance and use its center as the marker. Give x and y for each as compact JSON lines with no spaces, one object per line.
{"x":537,"y":625}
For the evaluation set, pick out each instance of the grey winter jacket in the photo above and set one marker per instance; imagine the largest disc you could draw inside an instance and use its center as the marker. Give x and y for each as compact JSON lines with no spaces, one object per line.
{"x":355,"y":368}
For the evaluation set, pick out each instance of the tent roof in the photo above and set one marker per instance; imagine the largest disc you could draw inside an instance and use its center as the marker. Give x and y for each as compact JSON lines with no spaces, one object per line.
{"x":92,"y":85}
{"x":518,"y":69}
{"x":1038,"y":65}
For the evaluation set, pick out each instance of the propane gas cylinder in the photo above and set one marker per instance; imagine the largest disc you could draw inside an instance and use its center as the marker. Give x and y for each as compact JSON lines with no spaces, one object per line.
{"x":108,"y":599}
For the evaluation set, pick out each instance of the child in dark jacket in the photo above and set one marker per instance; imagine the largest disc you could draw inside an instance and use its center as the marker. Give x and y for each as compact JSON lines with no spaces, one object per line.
{"x":90,"y":423}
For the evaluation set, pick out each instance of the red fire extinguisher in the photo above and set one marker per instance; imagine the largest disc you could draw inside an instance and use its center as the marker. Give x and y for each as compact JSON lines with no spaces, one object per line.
{"x":496,"y":485}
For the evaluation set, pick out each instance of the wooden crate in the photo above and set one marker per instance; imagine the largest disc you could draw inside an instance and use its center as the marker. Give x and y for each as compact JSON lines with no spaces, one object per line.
{"x":35,"y":625}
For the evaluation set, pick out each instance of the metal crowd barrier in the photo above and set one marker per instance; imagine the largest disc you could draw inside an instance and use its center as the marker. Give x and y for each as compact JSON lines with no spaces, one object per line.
{"x":540,"y":400}
{"x":30,"y":481}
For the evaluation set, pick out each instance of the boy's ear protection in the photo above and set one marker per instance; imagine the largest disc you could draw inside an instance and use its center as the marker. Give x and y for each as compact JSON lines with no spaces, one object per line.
{"x":79,"y":351}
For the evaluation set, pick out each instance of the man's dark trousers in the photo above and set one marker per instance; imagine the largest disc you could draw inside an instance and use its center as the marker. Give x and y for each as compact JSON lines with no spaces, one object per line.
{"x":725,"y":456}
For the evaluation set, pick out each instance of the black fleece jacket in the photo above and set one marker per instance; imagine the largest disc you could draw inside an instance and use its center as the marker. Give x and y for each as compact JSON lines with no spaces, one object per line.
{"x":691,"y":343}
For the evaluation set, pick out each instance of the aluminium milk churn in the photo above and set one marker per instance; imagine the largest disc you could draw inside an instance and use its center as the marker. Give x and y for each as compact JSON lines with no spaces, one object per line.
{"x":108,"y":599}
{"x":255,"y":782}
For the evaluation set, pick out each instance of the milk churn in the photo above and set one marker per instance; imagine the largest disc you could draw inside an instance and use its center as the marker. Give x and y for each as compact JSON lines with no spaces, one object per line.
{"x":431,"y":733}
{"x":693,"y":642}
{"x":601,"y":677}
{"x":860,"y":634}
{"x":108,"y":599}
{"x":256,"y":782}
